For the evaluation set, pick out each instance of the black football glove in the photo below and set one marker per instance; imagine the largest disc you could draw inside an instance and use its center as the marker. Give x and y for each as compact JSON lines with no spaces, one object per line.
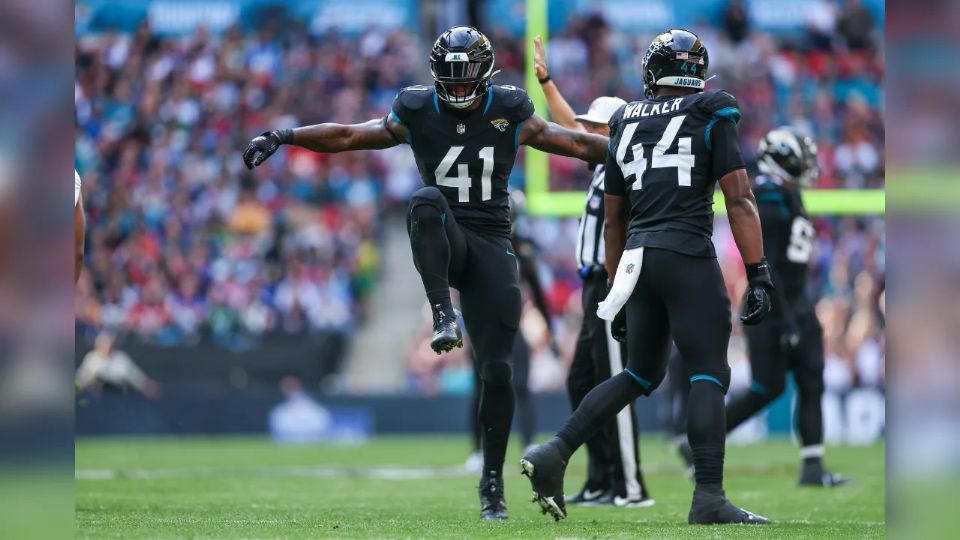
{"x":618,"y":327}
{"x":757,"y":303}
{"x":264,"y":145}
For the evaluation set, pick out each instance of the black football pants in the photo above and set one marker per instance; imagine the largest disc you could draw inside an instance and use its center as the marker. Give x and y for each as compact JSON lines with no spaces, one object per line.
{"x":771,"y":357}
{"x":485,"y":271}
{"x":684,"y":298}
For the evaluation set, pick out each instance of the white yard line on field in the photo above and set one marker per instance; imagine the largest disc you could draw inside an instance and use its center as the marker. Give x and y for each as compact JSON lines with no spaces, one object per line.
{"x":379,"y":472}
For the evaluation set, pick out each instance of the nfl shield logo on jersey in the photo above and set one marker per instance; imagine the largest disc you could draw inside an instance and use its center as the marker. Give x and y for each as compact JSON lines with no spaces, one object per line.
{"x":630,"y":268}
{"x":461,"y":128}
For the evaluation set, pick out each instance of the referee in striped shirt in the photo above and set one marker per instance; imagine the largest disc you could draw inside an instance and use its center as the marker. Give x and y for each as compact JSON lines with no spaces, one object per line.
{"x":614,"y":475}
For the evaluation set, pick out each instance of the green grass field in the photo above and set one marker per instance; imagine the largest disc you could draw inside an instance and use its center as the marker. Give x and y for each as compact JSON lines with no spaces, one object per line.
{"x":413,"y":487}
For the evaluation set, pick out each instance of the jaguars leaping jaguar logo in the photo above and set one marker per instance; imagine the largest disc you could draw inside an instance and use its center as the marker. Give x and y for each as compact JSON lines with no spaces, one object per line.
{"x":501,"y":124}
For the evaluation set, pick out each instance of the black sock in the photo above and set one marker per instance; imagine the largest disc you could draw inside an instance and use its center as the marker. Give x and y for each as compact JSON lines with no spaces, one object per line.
{"x":474,"y":418}
{"x":810,"y":418}
{"x":598,"y":407}
{"x":496,"y":417}
{"x":743,"y":407}
{"x":706,"y":431}
{"x":431,"y":253}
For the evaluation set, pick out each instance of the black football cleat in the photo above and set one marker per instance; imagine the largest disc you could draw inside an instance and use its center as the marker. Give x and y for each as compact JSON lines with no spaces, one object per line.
{"x":713,"y":508}
{"x":641,"y":501}
{"x":446,"y":331}
{"x":590,"y":497}
{"x":545,"y":466}
{"x":492,"y":504}
{"x":815,"y":475}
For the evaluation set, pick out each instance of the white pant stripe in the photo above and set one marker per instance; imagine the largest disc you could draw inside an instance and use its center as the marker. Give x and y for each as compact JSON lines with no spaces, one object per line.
{"x":624,"y":421}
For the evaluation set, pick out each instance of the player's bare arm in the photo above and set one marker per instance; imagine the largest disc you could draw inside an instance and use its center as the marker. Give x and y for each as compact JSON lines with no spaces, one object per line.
{"x":330,"y":138}
{"x":561,"y":111}
{"x":555,"y":139}
{"x":743,"y":215}
{"x":745,"y":225}
{"x":79,"y":225}
{"x":615,"y":231}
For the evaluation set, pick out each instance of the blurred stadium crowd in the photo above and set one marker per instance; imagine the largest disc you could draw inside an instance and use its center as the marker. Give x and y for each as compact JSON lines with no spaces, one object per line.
{"x":183,"y":242}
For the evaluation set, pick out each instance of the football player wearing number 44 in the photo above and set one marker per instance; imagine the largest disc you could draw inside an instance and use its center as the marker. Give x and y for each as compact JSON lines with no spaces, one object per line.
{"x":464,"y":132}
{"x":667,"y":153}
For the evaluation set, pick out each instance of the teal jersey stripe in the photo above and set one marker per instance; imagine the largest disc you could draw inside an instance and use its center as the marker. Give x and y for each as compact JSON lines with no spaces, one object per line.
{"x":726,"y":113}
{"x":774,"y":197}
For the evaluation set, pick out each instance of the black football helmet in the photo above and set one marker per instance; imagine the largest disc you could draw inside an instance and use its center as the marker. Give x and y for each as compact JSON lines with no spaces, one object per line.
{"x":675,"y":58}
{"x":788,"y":154}
{"x":462,"y":56}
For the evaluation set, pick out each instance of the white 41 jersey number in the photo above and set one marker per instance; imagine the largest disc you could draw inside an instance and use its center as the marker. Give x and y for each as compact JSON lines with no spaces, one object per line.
{"x":462,"y":180}
{"x":683,"y":160}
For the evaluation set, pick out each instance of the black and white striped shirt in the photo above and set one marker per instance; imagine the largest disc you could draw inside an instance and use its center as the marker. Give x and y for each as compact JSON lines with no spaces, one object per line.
{"x":590,"y":245}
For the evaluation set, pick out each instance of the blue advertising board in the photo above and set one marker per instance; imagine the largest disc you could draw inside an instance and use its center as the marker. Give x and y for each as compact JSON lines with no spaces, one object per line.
{"x":182,"y":16}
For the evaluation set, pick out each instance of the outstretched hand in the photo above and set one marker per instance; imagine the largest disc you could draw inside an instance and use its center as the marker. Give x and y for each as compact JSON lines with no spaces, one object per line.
{"x":539,"y":59}
{"x":260,"y":148}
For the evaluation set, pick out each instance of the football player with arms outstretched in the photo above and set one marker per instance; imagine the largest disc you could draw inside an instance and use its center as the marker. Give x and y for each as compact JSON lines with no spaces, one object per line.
{"x":464,"y":132}
{"x":667,"y":154}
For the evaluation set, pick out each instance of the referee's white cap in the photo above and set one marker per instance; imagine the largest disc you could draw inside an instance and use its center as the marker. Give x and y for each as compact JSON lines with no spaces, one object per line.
{"x":601,"y":110}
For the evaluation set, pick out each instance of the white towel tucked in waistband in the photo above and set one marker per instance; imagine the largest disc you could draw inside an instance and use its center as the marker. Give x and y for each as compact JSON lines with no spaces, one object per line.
{"x":628,"y":271}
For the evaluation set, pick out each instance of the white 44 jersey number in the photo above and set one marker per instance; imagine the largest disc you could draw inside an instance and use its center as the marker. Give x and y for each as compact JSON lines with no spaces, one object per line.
{"x":462,"y":180}
{"x":683,"y":160}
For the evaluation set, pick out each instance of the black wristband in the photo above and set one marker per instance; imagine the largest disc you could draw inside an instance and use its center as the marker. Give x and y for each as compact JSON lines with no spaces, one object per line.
{"x":545,"y":79}
{"x":759,"y":274}
{"x":285,"y":136}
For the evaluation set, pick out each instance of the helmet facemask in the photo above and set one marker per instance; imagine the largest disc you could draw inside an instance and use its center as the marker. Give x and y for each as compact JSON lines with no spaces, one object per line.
{"x":460,"y":80}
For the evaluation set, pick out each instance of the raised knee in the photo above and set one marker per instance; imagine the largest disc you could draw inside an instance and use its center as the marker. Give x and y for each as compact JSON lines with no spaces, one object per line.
{"x":496,"y":373}
{"x":426,"y":210}
{"x":424,"y":194}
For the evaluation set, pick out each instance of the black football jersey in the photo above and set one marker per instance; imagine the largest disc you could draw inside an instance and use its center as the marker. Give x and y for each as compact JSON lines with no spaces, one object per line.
{"x":666,"y":155}
{"x":468,"y":155}
{"x":788,"y":237}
